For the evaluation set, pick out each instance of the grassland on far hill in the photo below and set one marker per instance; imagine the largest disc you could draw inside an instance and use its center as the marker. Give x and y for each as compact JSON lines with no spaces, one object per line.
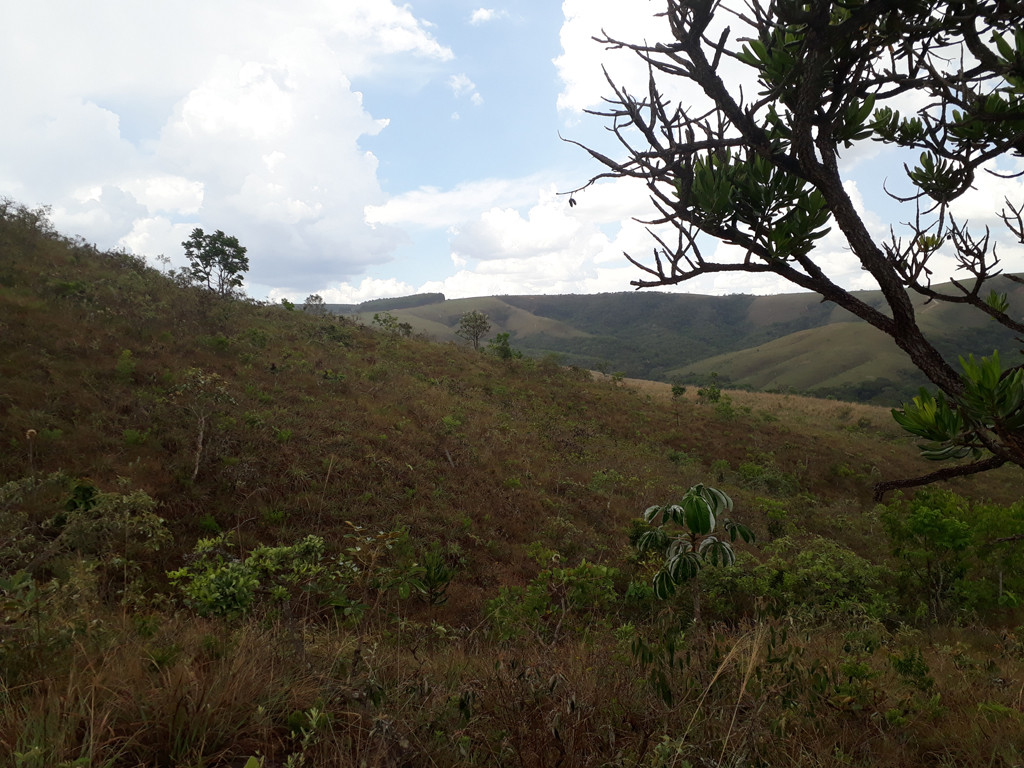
{"x":238,"y":535}
{"x":787,"y":342}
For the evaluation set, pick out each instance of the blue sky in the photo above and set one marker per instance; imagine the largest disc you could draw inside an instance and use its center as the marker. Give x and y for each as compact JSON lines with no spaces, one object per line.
{"x":358,"y":148}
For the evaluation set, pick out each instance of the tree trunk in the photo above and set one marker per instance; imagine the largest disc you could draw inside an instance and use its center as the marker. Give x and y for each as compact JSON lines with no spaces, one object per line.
{"x":695,"y":588}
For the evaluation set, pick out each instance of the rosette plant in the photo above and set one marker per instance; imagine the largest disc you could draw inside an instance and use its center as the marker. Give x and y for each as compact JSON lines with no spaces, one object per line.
{"x":687,"y":536}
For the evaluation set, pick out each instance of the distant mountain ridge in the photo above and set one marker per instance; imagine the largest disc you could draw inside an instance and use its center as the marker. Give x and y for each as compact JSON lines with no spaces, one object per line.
{"x":387,"y":305}
{"x":783,"y":342}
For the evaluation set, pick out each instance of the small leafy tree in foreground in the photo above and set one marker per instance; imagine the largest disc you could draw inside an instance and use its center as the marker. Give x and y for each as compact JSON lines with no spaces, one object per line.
{"x":763,"y":170}
{"x":216,"y":261}
{"x":685,"y":538}
{"x":473,"y":326}
{"x":686,"y":535}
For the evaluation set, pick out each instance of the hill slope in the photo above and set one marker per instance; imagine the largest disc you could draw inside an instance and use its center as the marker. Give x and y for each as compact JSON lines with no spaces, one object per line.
{"x":234,"y":530}
{"x":743,"y":338}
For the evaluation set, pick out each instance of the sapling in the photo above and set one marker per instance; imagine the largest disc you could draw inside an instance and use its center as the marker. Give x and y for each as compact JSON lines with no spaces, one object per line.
{"x":678,"y":390}
{"x":201,"y":394}
{"x":686,"y":536}
{"x":30,"y":438}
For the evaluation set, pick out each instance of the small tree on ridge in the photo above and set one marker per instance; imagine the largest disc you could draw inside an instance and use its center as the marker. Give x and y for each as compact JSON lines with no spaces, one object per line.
{"x":473,"y":326}
{"x":216,"y":261}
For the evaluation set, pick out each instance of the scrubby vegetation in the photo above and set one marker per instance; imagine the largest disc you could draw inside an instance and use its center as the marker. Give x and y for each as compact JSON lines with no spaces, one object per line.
{"x":234,"y":531}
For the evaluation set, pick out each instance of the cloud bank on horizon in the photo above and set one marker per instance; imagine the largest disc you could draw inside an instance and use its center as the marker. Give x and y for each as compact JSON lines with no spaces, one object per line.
{"x":359,"y":149}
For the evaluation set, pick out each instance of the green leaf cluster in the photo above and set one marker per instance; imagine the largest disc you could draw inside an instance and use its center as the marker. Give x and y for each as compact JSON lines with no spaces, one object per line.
{"x":942,"y":180}
{"x":776,"y":59}
{"x":48,"y":519}
{"x":391,"y":325}
{"x":955,"y":555}
{"x":749,"y":193}
{"x":219,"y":581}
{"x":686,"y":536}
{"x":991,"y":404}
{"x":502,"y":348}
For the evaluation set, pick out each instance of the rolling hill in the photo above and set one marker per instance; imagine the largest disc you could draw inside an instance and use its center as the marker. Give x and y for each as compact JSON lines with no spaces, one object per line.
{"x":783,"y":342}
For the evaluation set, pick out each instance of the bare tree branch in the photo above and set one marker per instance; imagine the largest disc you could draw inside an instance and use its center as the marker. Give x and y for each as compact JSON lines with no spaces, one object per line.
{"x":946,"y":473}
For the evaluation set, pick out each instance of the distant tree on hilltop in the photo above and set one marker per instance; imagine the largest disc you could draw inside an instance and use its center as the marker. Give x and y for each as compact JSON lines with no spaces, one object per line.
{"x":473,"y":326}
{"x":315,"y":305}
{"x":216,"y":261}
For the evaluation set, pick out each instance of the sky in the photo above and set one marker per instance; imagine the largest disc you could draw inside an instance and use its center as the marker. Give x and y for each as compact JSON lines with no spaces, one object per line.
{"x":359,"y":149}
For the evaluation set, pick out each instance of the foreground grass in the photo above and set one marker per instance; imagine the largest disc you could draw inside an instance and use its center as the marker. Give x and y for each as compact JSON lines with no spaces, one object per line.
{"x":185,"y":692}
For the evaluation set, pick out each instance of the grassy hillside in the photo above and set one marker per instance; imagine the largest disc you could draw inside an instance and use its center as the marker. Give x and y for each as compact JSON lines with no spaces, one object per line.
{"x":441,"y":320}
{"x":835,"y":358}
{"x":233,"y":530}
{"x":849,"y":359}
{"x":783,"y":342}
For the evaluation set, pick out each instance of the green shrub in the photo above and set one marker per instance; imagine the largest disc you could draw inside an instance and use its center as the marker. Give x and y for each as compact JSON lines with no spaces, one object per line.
{"x":125,"y":366}
{"x":54,"y":526}
{"x":217,"y":582}
{"x":719,"y":469}
{"x":217,"y":343}
{"x":558,"y":601}
{"x":391,"y":325}
{"x":680,"y":458}
{"x":611,"y":480}
{"x":779,"y":523}
{"x":501,"y":348}
{"x":956,"y":556}
{"x":711,"y":392}
{"x":724,"y":409}
{"x":135,"y":436}
{"x":332,"y":332}
{"x":208,"y":524}
{"x":439,"y":568}
{"x":819,"y":579}
{"x":762,"y":474}
{"x":814,"y":581}
{"x":257,"y":338}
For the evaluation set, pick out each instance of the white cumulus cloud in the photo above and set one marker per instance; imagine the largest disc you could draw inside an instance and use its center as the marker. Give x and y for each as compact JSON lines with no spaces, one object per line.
{"x":347,"y":293}
{"x":461,"y":85}
{"x":484,"y":15}
{"x":256,"y":132}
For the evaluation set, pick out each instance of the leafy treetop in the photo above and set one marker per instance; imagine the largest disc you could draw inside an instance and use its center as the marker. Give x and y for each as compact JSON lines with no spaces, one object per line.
{"x":216,"y":261}
{"x":473,"y":326}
